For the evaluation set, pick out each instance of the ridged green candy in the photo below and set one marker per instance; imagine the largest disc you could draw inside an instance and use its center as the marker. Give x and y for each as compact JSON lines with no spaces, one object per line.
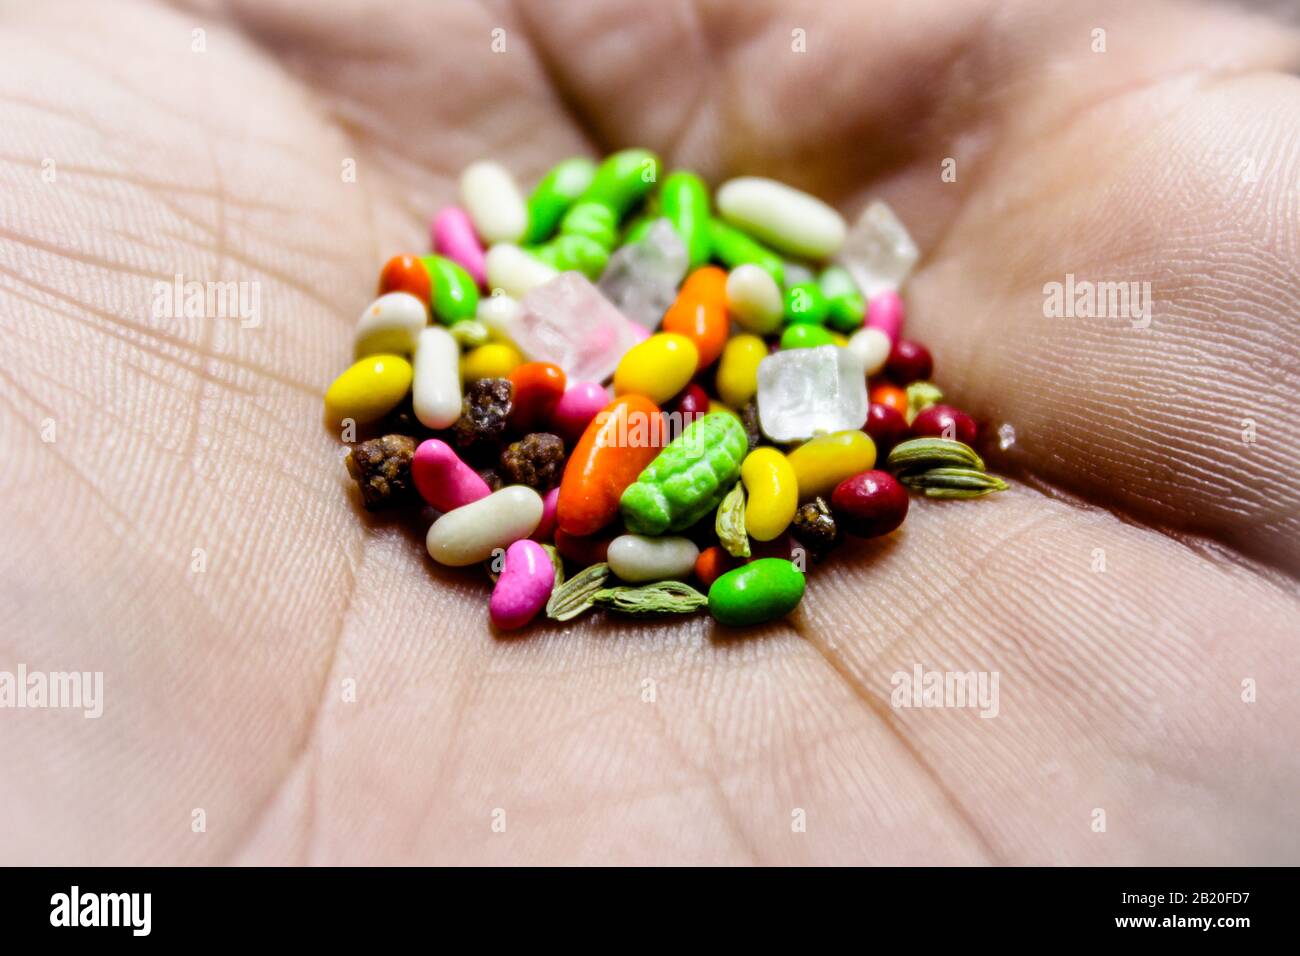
{"x":688,"y":478}
{"x":755,"y":593}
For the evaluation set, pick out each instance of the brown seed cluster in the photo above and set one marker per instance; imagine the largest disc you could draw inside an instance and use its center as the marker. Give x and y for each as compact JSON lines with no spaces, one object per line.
{"x":381,"y":467}
{"x":484,"y":412}
{"x":814,"y":527}
{"x":536,"y":460}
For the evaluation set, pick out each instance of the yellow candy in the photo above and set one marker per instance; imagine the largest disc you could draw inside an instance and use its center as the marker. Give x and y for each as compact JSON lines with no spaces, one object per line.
{"x":717,"y":406}
{"x":369,"y":390}
{"x":840,"y":340}
{"x":821,"y":464}
{"x":773,"y":490}
{"x":738,"y":371}
{"x":657,"y":368}
{"x":494,"y":360}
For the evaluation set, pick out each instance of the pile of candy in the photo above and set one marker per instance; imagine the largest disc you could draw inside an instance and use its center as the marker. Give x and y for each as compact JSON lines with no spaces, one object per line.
{"x":726,"y":458}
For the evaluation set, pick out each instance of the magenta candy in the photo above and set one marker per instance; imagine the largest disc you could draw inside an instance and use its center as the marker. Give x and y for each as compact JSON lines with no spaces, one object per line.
{"x":454,"y":237}
{"x":442,"y":479}
{"x":546,"y":527}
{"x":579,"y":404}
{"x":885,"y":312}
{"x":944,"y":421}
{"x":526,"y":581}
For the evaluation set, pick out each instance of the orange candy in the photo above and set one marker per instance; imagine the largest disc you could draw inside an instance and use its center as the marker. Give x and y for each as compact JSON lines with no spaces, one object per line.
{"x":617,"y":445}
{"x":712,"y":564}
{"x":891,"y":395}
{"x":537,"y":387}
{"x":700,"y":313}
{"x":405,"y":274}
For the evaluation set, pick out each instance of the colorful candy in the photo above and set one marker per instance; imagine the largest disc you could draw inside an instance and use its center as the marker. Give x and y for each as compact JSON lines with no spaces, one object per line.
{"x":637,"y":558}
{"x":944,"y":421}
{"x":492,"y":360}
{"x":494,"y":203}
{"x":526,"y":580}
{"x":700,"y":313}
{"x":391,"y":323}
{"x":869,"y":504}
{"x":469,"y":534}
{"x":754,"y":299}
{"x":684,"y":201}
{"x":442,"y":479}
{"x":370,"y":389}
{"x":657,"y":368}
{"x":616,"y":446}
{"x":405,"y":274}
{"x":821,"y":464}
{"x":772,"y":487}
{"x":737,"y":378}
{"x":783,"y":217}
{"x":756,"y":593}
{"x":436,"y":389}
{"x":554,"y":194}
{"x":453,"y":236}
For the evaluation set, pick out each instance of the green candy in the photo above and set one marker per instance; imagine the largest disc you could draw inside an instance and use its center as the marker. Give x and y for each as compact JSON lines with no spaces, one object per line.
{"x":623,"y":180}
{"x":637,"y":230}
{"x":688,"y":479}
{"x":453,"y":293}
{"x":558,"y":190}
{"x":734,"y":248}
{"x":805,"y":336}
{"x":805,"y":302}
{"x":756,"y":593}
{"x":684,"y":200}
{"x":575,"y":254}
{"x":592,"y":220}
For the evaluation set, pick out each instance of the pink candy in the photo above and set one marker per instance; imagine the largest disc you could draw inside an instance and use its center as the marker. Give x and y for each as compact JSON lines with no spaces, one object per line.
{"x":526,"y":581}
{"x":546,"y":527}
{"x":579,"y":404}
{"x":454,"y":237}
{"x":885,"y":312}
{"x":442,"y":479}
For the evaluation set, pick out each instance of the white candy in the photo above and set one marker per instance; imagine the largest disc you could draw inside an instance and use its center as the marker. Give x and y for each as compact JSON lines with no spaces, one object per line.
{"x":515,"y":272}
{"x":498,"y":313}
{"x":435,"y":387}
{"x":469,"y":534}
{"x":754,"y":300}
{"x":493,"y":202}
{"x":391,"y":323}
{"x":783,"y":217}
{"x":637,"y":558}
{"x":871,"y":347}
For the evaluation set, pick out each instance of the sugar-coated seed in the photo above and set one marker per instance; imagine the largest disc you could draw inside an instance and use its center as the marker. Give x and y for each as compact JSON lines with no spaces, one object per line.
{"x":886,"y":393}
{"x":514,"y":271}
{"x":784,"y":217}
{"x":885,"y":312}
{"x":687,"y":479}
{"x":497,"y":313}
{"x":944,"y":421}
{"x":871,"y":347}
{"x":691,"y":403}
{"x":909,"y":362}
{"x":391,"y":323}
{"x":493,"y":360}
{"x":554,"y":194}
{"x":453,"y":235}
{"x":712,"y":564}
{"x":734,"y":248}
{"x":471,"y":533}
{"x":657,"y":368}
{"x":455,"y":293}
{"x":405,"y":274}
{"x":436,"y":392}
{"x":869,"y":504}
{"x":760,"y":591}
{"x":887,"y":427}
{"x":805,"y":336}
{"x":580,"y":403}
{"x":615,"y":448}
{"x":805,"y":302}
{"x":370,"y":389}
{"x":523,"y":587}
{"x":637,"y":558}
{"x":684,"y":201}
{"x":773,"y":493}
{"x":737,"y":378}
{"x":822,"y":463}
{"x":442,"y":479}
{"x":754,"y":299}
{"x":623,"y":179}
{"x":538,"y":387}
{"x":494,"y":202}
{"x":700,"y":313}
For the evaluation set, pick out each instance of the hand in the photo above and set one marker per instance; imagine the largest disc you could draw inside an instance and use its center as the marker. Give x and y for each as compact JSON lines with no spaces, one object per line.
{"x":177,"y":517}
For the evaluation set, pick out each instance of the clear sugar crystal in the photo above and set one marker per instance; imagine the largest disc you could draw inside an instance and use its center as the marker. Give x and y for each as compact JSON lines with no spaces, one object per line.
{"x":802,"y":392}
{"x":641,"y":279}
{"x":878,"y":252}
{"x":568,"y":322}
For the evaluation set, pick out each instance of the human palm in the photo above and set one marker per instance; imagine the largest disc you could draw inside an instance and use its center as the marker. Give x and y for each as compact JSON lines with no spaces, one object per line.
{"x":178,"y":517}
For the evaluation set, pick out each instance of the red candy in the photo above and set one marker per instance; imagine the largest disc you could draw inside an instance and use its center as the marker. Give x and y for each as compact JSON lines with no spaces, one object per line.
{"x":691,"y":403}
{"x":944,"y":421}
{"x":869,"y":504}
{"x":909,"y":362}
{"x":537,"y":389}
{"x":886,"y":426}
{"x":405,"y":274}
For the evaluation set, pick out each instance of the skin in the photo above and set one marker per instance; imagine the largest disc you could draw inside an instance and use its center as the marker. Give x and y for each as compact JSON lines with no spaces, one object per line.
{"x":1172,"y":158}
